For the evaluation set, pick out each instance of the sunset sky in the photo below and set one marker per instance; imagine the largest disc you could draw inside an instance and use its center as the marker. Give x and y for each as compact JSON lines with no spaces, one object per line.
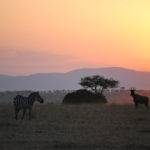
{"x":42,"y":36}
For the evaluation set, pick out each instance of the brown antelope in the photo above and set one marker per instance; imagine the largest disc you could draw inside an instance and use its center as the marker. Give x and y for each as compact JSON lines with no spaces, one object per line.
{"x":139,"y":99}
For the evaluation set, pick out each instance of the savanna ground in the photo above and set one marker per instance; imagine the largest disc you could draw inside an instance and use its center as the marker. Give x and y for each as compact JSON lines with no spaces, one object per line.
{"x":68,"y":127}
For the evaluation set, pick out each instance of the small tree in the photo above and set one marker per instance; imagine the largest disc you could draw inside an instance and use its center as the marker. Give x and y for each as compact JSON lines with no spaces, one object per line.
{"x":98,"y":83}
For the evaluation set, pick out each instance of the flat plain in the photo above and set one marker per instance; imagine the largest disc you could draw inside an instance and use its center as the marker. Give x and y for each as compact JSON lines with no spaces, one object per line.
{"x":76,"y":127}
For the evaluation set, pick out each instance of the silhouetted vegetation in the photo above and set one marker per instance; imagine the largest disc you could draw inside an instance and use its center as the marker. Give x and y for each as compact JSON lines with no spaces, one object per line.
{"x":84,"y":96}
{"x":98,"y":83}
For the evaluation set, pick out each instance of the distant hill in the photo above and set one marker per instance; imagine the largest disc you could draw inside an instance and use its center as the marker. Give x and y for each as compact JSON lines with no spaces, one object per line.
{"x":69,"y":81}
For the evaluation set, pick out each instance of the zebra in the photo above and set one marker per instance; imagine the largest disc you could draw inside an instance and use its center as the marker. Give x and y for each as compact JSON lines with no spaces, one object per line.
{"x":23,"y":103}
{"x":139,"y":99}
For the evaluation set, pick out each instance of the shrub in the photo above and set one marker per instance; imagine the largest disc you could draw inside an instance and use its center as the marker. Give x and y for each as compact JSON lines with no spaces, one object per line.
{"x":83,"y":96}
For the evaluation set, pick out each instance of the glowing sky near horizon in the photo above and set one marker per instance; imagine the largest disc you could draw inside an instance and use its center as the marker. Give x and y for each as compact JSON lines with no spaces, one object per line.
{"x":62,"y":35}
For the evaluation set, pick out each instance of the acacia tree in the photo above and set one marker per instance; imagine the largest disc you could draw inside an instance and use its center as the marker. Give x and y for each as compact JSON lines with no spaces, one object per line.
{"x":98,"y":83}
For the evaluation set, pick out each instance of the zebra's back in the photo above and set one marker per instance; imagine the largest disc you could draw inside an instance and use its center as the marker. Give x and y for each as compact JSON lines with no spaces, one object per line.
{"x":21,"y":102}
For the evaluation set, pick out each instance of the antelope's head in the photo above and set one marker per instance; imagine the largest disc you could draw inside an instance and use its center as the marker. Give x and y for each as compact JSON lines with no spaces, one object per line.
{"x":132,"y":91}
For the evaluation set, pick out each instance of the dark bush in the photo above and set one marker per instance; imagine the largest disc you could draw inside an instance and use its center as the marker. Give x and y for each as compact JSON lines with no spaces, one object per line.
{"x":83,"y":96}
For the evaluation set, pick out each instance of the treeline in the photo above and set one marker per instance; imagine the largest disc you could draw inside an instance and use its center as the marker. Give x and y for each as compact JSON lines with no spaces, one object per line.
{"x":114,"y":96}
{"x":55,"y":96}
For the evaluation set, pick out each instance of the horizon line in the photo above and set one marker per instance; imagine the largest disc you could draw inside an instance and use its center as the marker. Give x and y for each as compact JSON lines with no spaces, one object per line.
{"x":72,"y":71}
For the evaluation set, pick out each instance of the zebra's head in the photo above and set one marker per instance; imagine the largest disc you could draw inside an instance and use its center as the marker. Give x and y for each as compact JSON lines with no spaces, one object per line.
{"x":36,"y":97}
{"x":132,"y":92}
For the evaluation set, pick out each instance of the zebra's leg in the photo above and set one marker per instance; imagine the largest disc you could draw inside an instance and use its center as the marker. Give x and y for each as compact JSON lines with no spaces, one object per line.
{"x":30,"y":113}
{"x":24,"y":111}
{"x":16,"y":113}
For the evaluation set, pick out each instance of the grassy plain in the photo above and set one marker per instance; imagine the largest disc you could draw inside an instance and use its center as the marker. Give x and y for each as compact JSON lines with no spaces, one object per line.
{"x":79,"y":127}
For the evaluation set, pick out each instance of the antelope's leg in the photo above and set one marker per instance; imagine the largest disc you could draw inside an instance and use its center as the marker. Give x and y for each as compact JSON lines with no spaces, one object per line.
{"x":146,"y":104}
{"x":136,"y":105}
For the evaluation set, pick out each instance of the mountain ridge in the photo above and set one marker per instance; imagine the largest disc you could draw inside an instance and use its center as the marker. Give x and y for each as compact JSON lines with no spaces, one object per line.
{"x":69,"y":80}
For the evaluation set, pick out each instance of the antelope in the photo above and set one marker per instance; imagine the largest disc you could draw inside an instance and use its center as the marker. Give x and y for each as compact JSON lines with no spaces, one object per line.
{"x":139,"y":99}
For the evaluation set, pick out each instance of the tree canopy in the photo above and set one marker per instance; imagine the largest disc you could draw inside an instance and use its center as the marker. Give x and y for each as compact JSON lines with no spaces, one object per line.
{"x":98,"y":83}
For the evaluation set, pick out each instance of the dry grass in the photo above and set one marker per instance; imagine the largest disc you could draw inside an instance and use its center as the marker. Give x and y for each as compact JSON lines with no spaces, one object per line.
{"x":87,"y":127}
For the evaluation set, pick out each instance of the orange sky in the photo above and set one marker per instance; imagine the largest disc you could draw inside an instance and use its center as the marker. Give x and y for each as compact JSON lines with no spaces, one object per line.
{"x":62,"y":35}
